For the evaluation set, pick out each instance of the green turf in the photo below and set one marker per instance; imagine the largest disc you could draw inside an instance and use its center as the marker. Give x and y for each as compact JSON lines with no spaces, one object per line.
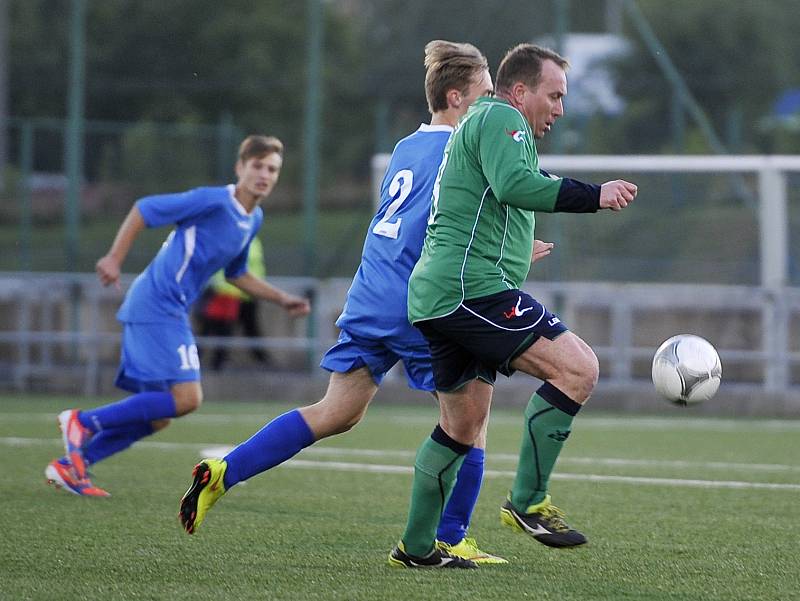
{"x":310,"y":532}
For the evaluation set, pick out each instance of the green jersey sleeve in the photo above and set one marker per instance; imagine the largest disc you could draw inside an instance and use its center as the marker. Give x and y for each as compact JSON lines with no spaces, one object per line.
{"x":510,"y":163}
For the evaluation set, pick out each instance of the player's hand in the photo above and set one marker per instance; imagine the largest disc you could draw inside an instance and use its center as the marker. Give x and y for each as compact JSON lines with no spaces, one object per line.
{"x":297,"y":306}
{"x":108,"y":270}
{"x":617,"y":194}
{"x":541,"y":250}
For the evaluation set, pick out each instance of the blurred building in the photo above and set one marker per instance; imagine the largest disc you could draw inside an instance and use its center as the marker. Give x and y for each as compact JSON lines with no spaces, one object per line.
{"x":591,"y":86}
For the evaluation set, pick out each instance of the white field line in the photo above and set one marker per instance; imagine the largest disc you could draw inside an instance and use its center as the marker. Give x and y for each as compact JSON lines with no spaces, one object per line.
{"x":219,"y":451}
{"x":633,"y":424}
{"x":399,"y":469}
{"x":588,"y":422}
{"x":216,"y":450}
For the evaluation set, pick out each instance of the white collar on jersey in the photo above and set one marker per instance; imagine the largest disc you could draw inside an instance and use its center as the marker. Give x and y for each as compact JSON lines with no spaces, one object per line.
{"x":235,"y":201}
{"x":429,"y":127}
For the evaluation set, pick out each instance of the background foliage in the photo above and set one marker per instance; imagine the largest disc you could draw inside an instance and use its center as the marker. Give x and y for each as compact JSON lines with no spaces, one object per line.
{"x":192,"y":60}
{"x":203,"y":64}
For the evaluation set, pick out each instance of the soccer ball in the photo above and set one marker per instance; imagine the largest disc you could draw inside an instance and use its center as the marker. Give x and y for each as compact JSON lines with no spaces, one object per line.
{"x":686,"y":369}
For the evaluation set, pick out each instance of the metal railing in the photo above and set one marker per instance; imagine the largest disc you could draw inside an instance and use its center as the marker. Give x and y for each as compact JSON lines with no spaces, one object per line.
{"x":56,"y":323}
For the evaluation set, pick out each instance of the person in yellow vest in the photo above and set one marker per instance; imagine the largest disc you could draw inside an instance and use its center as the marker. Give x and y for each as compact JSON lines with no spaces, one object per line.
{"x":227,"y":305}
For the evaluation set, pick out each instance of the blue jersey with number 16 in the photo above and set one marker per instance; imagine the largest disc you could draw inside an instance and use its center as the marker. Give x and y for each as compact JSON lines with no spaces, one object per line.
{"x":376,"y":302}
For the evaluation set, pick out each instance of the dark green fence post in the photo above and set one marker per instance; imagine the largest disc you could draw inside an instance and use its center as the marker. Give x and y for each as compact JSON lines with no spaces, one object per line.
{"x":225,"y":158}
{"x":73,"y":155}
{"x":311,"y":152}
{"x":73,"y":142}
{"x":311,"y":131}
{"x":24,"y":193}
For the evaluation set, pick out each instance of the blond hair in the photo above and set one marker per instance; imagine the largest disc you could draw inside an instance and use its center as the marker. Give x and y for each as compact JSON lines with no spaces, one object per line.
{"x":450,"y":66}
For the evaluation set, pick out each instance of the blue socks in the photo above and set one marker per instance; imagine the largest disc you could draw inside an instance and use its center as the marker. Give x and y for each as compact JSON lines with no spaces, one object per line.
{"x":143,"y":407}
{"x":118,"y":425}
{"x":288,"y":434}
{"x":279,"y":440}
{"x":457,"y":513}
{"x":107,"y":442}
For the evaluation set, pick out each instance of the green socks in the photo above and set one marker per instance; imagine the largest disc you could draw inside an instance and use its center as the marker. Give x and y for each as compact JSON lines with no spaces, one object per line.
{"x":435,"y":470}
{"x":548,"y":420}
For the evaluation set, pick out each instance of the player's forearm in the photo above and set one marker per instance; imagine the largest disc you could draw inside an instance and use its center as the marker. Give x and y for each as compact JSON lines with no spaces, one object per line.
{"x":258,"y":288}
{"x":127,"y":233}
{"x":526,"y":190}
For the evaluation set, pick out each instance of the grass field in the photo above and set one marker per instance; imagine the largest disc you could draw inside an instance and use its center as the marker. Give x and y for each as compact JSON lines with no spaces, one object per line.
{"x":674,"y":508}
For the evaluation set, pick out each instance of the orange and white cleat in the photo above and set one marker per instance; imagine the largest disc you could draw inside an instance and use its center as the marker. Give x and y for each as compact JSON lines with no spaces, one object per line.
{"x":75,"y":436}
{"x":61,"y":474}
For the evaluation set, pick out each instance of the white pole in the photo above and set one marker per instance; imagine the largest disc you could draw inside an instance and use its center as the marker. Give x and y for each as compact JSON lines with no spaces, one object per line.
{"x":774,"y":229}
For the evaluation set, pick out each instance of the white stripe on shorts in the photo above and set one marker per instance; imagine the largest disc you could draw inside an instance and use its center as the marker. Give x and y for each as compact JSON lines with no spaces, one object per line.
{"x":499,"y":327}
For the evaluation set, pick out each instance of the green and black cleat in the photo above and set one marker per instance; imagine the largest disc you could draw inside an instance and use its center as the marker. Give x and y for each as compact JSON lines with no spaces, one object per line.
{"x":439,"y":558}
{"x":544,"y":522}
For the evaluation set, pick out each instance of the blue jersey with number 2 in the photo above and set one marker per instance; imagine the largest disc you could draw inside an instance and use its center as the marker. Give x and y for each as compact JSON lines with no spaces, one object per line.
{"x":376,"y":302}
{"x":212,"y":231}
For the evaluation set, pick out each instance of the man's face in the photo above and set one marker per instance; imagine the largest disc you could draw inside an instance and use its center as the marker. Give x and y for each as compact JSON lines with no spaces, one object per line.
{"x":481,"y":87}
{"x":542,"y":105}
{"x":258,"y":175}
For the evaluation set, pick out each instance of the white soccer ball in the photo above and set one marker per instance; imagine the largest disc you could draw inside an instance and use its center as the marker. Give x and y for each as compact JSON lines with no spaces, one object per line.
{"x":686,"y":369}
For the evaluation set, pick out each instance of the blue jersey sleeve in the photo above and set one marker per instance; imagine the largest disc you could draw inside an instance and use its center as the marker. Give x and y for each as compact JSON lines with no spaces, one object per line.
{"x":238,"y":266}
{"x":166,"y":209}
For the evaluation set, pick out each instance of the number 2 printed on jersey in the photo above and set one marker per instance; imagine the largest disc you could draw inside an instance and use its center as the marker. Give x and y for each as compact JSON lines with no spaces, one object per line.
{"x":400,"y":187}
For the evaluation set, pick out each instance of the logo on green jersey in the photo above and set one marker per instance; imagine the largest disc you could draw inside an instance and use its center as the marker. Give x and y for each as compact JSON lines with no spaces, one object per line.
{"x":517,"y":135}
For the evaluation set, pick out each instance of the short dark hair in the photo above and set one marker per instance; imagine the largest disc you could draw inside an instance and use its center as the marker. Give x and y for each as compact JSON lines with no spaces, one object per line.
{"x":523,"y":63}
{"x":450,"y":66}
{"x":258,"y":146}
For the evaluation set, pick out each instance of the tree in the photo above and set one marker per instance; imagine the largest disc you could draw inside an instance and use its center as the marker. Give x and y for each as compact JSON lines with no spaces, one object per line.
{"x":189,"y":61}
{"x":734,"y":57}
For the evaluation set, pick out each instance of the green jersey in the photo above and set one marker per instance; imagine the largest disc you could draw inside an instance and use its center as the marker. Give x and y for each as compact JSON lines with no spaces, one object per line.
{"x":480,"y":231}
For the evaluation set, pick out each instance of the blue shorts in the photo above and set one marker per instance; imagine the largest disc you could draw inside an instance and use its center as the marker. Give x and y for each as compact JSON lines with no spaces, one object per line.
{"x":157,"y":355}
{"x":484,"y":335}
{"x":379,"y":356}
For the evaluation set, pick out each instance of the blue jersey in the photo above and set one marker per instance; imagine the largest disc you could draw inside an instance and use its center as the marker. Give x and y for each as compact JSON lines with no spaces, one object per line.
{"x":376,"y":302}
{"x":212,"y":231}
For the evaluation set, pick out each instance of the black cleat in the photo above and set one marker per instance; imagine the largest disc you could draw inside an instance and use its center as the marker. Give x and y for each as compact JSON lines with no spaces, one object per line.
{"x":439,"y":558}
{"x":545,"y":523}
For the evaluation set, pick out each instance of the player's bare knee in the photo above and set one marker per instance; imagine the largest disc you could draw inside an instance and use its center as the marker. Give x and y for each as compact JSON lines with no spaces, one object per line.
{"x":160,"y":424}
{"x":578,"y":376}
{"x":195,"y":403}
{"x":343,"y":422}
{"x":592,"y":369}
{"x":464,"y":436}
{"x":463,"y":431}
{"x":586,"y":375}
{"x":331,"y":416}
{"x":349,"y":423}
{"x":188,"y":401}
{"x":344,"y":404}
